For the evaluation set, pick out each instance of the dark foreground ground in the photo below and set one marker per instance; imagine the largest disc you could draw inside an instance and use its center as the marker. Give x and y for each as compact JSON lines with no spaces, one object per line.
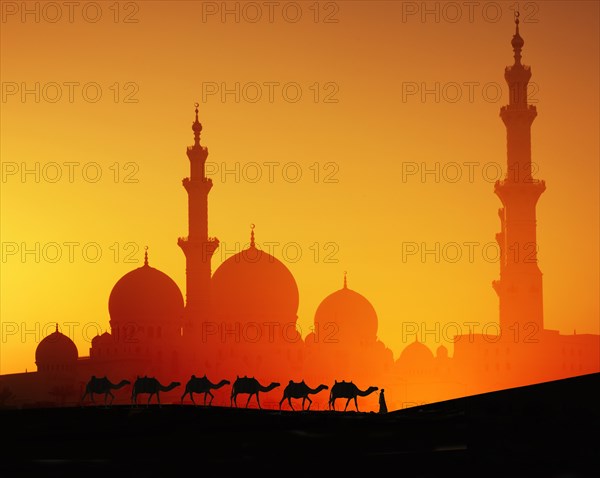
{"x":545,"y":430}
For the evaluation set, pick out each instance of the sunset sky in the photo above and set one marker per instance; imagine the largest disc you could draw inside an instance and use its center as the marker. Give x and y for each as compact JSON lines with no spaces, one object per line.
{"x":336,"y":179}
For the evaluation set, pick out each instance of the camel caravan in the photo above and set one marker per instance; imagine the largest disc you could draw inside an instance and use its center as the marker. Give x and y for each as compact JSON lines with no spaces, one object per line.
{"x":246,"y":386}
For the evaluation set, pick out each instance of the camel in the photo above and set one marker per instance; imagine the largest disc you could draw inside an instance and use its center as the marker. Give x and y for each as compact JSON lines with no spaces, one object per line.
{"x":251,"y":386}
{"x":300,"y":390}
{"x":151,"y":386}
{"x":99,"y":385}
{"x":202,"y":385}
{"x":349,"y":391}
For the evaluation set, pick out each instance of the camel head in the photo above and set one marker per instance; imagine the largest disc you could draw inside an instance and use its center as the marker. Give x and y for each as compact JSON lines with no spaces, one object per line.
{"x":371,"y":390}
{"x":273,"y":385}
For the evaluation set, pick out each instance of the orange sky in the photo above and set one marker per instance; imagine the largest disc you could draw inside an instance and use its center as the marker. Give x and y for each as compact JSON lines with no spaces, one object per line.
{"x":365,"y":128}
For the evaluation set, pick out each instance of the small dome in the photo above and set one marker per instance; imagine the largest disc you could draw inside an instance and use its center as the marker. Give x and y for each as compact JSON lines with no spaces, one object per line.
{"x":56,"y":348}
{"x":101,"y":340}
{"x":442,"y":352}
{"x":253,"y":285}
{"x":416,"y":353}
{"x":347,"y":316}
{"x":145,"y":295}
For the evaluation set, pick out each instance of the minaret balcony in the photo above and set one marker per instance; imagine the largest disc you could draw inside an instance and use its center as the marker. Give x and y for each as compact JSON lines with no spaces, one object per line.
{"x":511,"y":192}
{"x":198,"y":248}
{"x":203,"y":185}
{"x":531,"y":186}
{"x":518,"y":113}
{"x":198,"y":148}
{"x":212,"y":242}
{"x":517,"y":74}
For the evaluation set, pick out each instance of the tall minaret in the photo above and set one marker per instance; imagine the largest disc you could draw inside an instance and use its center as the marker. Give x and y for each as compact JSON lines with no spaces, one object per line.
{"x":520,"y":286}
{"x":197,"y":246}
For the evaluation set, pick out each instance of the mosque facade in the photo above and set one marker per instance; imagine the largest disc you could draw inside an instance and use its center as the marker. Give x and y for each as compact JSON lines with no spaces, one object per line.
{"x":241,"y":320}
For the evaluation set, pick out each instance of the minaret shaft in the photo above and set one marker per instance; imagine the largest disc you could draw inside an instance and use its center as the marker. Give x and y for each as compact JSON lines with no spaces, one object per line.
{"x":198,"y":247}
{"x":520,"y":286}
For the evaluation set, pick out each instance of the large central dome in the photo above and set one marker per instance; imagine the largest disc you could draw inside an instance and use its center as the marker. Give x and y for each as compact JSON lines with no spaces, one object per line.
{"x":145,"y":295}
{"x":253,"y":285}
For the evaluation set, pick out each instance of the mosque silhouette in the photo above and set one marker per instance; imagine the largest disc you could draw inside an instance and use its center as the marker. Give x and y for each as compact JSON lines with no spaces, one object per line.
{"x":241,"y":319}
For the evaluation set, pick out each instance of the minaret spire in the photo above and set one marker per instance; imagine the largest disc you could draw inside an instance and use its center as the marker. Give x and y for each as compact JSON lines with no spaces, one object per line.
{"x":252,"y":244}
{"x":345,"y":280}
{"x":146,"y":256}
{"x":196,"y":127}
{"x":520,"y":286}
{"x":517,"y":42}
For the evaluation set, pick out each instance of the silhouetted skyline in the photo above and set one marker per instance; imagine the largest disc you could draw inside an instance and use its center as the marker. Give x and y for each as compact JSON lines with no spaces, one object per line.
{"x":255,"y":296}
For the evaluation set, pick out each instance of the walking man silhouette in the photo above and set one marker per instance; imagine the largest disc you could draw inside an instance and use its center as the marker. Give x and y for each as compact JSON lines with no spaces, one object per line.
{"x":382,"y":404}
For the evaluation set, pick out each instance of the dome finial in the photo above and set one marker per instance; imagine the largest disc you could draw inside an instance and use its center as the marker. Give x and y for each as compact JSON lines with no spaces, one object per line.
{"x":56,"y":328}
{"x":146,"y":255}
{"x":196,"y":126}
{"x":252,"y":226}
{"x":345,"y":280}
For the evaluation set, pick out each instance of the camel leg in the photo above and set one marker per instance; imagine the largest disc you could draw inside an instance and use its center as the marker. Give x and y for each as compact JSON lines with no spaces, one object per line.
{"x":290,"y":402}
{"x":281,"y":401}
{"x":249,"y":397}
{"x":258,"y":401}
{"x":309,"y":403}
{"x":212,"y":397}
{"x":347,"y":402}
{"x":356,"y":404}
